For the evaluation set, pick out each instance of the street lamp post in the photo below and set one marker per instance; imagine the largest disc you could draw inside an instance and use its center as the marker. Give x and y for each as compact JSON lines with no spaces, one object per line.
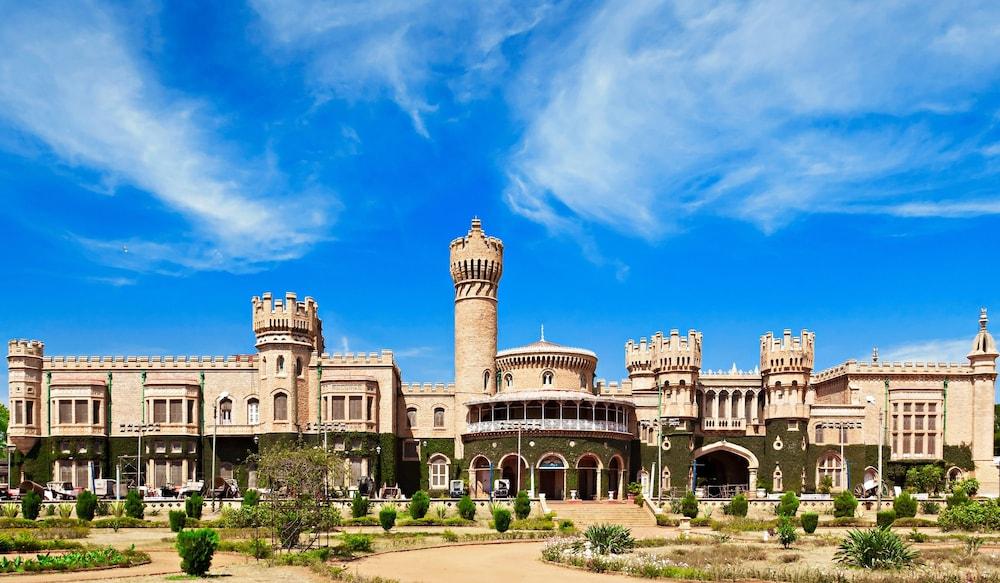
{"x":215,"y":439}
{"x":881,"y":442}
{"x":10,"y":453}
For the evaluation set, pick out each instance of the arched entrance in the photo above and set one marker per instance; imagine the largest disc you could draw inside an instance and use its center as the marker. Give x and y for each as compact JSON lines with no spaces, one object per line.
{"x":480,"y":484}
{"x":508,"y":471}
{"x":615,"y":475}
{"x":552,"y":476}
{"x":724,"y":469}
{"x":588,"y":469}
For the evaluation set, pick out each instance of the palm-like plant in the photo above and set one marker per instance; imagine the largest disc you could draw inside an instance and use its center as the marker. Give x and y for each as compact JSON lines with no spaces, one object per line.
{"x":877,"y":548}
{"x":612,"y":539}
{"x":65,"y":510}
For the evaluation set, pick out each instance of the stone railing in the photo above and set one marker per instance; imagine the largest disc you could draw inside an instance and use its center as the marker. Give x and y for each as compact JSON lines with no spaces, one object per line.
{"x":547,"y":425}
{"x":723,"y":424}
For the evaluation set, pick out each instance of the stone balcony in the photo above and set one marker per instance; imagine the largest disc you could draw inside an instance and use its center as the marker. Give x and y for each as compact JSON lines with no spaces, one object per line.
{"x":723,"y":424}
{"x":547,"y":425}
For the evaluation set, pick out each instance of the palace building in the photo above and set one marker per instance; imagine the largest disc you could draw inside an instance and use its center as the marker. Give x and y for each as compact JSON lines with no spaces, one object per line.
{"x":782,"y":426}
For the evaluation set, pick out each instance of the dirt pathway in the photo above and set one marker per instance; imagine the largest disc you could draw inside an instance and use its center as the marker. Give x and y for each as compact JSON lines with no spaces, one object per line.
{"x":502,"y":563}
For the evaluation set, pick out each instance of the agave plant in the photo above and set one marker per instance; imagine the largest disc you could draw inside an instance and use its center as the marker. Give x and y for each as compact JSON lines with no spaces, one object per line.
{"x":441,"y":510}
{"x":65,"y":510}
{"x":10,"y":510}
{"x":118,"y":509}
{"x":610,"y":539}
{"x":877,"y":548}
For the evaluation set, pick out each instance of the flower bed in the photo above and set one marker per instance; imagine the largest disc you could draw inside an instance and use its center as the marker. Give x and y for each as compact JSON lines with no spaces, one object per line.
{"x":74,"y":561}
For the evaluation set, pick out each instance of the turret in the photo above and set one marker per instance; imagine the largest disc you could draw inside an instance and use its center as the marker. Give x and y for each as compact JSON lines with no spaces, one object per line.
{"x":983,"y":358}
{"x":289,"y":334}
{"x":668,"y":362}
{"x":24,"y":365}
{"x":785,"y":366}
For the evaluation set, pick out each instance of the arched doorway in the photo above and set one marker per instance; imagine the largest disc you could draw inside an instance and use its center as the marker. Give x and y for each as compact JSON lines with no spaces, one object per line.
{"x":508,"y":471}
{"x":614,"y":475}
{"x":480,"y":484}
{"x":552,"y":476}
{"x":588,"y":469}
{"x":724,"y":469}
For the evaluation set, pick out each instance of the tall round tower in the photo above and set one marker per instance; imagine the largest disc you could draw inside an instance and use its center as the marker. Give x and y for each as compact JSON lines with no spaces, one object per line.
{"x":476,"y":266}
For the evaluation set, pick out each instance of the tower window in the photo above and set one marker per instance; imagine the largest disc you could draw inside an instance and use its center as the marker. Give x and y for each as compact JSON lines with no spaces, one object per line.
{"x":508,"y":381}
{"x":411,"y":417}
{"x":547,"y":379}
{"x":281,"y":407}
{"x":280,"y":366}
{"x":298,"y":367}
{"x":439,"y":417}
{"x":486,"y":381}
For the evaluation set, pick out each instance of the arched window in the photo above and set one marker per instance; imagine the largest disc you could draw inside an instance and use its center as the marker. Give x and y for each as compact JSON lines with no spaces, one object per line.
{"x":583,"y":381}
{"x":819,"y":433}
{"x":411,"y":417}
{"x":253,"y":411}
{"x":665,"y":479}
{"x":279,"y":367}
{"x":547,"y":379}
{"x":438,"y":416}
{"x":486,"y":381}
{"x":226,"y":411}
{"x":298,"y":367}
{"x":830,"y":464}
{"x":281,"y":407}
{"x":438,"y":472}
{"x":508,"y":381}
{"x":776,"y":483}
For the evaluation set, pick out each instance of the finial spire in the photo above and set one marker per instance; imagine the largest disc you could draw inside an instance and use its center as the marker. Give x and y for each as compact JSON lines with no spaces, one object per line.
{"x":543,"y":332}
{"x":477,"y":225}
{"x":874,"y":353}
{"x":983,"y":320}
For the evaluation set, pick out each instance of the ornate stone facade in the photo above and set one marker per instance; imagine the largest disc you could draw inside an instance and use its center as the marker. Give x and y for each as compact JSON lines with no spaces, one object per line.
{"x":535,"y":415}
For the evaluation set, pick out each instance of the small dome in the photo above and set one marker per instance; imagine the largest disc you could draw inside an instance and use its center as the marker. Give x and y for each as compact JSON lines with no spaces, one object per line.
{"x":544,"y":346}
{"x":984,"y":344}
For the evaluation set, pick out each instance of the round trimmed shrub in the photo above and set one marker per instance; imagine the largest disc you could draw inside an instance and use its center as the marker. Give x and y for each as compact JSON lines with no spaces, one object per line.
{"x":501,"y":519}
{"x":196,"y":548}
{"x":31,"y":503}
{"x":387,"y":517}
{"x":194,"y":505}
{"x":810,"y":520}
{"x":739,"y":506}
{"x":134,"y":508}
{"x":522,"y":505}
{"x":788,"y":505}
{"x":177,"y":518}
{"x":86,"y":505}
{"x":467,"y":508}
{"x":905,"y":506}
{"x":419,"y":504}
{"x":689,"y":505}
{"x":885,"y":518}
{"x":845,"y":505}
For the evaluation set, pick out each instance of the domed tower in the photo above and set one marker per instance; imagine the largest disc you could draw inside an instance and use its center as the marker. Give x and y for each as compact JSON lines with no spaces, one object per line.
{"x":24,"y":365}
{"x":288,"y":333}
{"x":785,"y":366}
{"x":983,"y":358}
{"x":476,"y":267}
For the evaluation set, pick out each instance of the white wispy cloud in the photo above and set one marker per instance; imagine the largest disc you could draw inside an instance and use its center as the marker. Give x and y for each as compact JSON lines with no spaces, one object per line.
{"x":113,"y":281}
{"x":397,"y":49}
{"x":652,"y":112}
{"x":71,"y":78}
{"x":941,"y":350}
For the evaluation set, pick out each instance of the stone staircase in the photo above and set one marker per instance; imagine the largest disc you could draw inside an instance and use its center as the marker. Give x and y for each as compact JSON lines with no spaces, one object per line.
{"x":583,"y":514}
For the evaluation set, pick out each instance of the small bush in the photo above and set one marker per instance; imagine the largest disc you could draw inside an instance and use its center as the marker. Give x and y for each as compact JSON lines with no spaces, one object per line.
{"x":919,"y":522}
{"x":194,"y":505}
{"x":50,"y":510}
{"x":971,"y":516}
{"x":701,"y":521}
{"x":357,"y":543}
{"x":65,"y":510}
{"x":31,"y":503}
{"x":810,"y":520}
{"x":177,"y":520}
{"x":522,"y":505}
{"x":610,"y":539}
{"x":739,"y":506}
{"x":134,"y":508}
{"x":10,"y":510}
{"x":786,"y":532}
{"x":196,"y":548}
{"x":419,"y":505}
{"x":449,"y":536}
{"x":664,"y":520}
{"x":362,"y":521}
{"x":885,"y":518}
{"x":958,"y":498}
{"x":86,"y":505}
{"x":970,"y":486}
{"x":918,"y":537}
{"x":788,"y":505}
{"x":905,"y":506}
{"x":387,"y":517}
{"x":103,"y":508}
{"x":689,"y":505}
{"x":825,"y":484}
{"x":250,"y":498}
{"x":845,"y":504}
{"x":359,"y":505}
{"x":930,"y":508}
{"x":877,"y":548}
{"x":501,"y":519}
{"x":467,"y":508}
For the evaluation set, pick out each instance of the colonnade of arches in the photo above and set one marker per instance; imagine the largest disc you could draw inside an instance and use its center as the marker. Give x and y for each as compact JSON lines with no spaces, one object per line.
{"x":585,"y":477}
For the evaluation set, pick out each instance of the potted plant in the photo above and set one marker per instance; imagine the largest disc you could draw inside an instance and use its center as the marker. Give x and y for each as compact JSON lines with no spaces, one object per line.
{"x":761,"y":489}
{"x":634,"y":488}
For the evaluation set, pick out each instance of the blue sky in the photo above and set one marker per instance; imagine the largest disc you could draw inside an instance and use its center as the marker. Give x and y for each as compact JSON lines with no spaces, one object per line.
{"x":732,"y":167}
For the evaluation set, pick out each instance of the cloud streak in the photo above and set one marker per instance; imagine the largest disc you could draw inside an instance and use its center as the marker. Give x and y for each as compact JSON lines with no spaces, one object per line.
{"x":940,"y":350}
{"x":652,"y":113}
{"x":70,"y":79}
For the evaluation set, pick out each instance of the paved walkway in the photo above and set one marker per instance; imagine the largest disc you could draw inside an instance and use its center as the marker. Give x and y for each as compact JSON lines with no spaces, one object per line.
{"x":487,"y":563}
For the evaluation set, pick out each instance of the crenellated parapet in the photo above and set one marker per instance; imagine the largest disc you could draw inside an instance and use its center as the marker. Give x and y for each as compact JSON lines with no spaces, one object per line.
{"x":383,"y":357}
{"x":237,"y":361}
{"x":288,"y":321}
{"x":476,"y":263}
{"x":889,"y":369}
{"x":26,"y":348}
{"x":787,"y":353}
{"x":664,"y":360}
{"x":427,"y":388}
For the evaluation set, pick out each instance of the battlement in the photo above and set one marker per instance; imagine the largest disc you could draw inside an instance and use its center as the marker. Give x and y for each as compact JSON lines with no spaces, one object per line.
{"x":420,"y":388}
{"x":787,"y":353}
{"x":29,"y":348}
{"x":237,"y":361}
{"x":614,"y":387}
{"x":476,"y":256}
{"x":664,"y":353}
{"x":357,"y":358}
{"x":891,"y":368}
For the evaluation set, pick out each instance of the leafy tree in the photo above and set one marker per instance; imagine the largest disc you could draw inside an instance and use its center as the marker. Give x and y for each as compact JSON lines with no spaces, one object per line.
{"x":196,"y":548}
{"x":134,"y":507}
{"x":786,"y":532}
{"x":359,"y":506}
{"x":522,"y":505}
{"x":4,"y":419}
{"x":86,"y":505}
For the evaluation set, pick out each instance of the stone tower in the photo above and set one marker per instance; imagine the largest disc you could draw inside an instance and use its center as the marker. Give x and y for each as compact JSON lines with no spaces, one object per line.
{"x":476,"y":267}
{"x":24,"y":365}
{"x":289,"y":333}
{"x":785,"y":366}
{"x":983,"y":358}
{"x":672,"y":362}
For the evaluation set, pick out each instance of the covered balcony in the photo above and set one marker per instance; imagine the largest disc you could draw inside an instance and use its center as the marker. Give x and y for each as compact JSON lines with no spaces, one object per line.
{"x":549,"y":411}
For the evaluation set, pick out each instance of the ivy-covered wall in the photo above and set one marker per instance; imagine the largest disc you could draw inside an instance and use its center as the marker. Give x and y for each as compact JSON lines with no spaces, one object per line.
{"x":414,"y":475}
